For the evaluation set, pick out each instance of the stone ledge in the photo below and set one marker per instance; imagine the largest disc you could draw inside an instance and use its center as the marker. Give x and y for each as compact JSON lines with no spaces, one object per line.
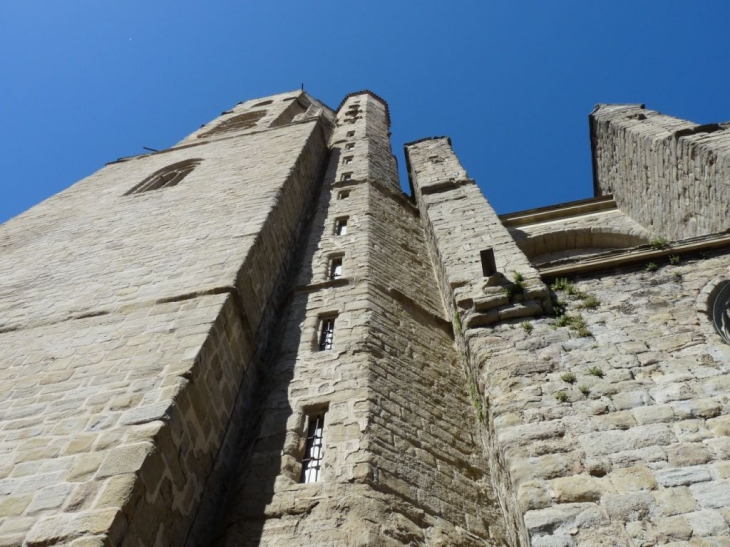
{"x":623,"y":257}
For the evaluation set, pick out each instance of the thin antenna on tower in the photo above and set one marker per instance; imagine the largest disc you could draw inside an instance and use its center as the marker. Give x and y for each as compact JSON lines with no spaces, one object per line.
{"x":302,"y":87}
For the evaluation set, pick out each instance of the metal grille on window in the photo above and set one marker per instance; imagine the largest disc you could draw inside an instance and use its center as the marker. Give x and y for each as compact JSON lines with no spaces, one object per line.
{"x":326,"y":337}
{"x":313,"y":453}
{"x":336,"y":268}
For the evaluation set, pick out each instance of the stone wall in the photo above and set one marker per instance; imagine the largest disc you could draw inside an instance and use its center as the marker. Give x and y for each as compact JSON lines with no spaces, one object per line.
{"x":608,"y":427}
{"x":619,"y":436}
{"x":130,"y":327}
{"x":669,"y":175}
{"x":400,"y":465}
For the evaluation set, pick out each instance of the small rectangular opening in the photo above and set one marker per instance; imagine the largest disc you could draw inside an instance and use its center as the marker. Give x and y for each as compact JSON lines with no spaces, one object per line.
{"x":347,"y":159}
{"x":335,"y":269}
{"x":341,"y":226}
{"x":343,"y":195}
{"x":314,"y":449}
{"x":326,"y":333}
{"x":489,"y":266}
{"x":346,"y":176}
{"x":350,"y":146}
{"x":350,"y":133}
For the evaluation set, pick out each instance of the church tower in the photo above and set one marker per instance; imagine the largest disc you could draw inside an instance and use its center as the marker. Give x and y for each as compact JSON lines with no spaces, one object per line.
{"x":255,"y":338}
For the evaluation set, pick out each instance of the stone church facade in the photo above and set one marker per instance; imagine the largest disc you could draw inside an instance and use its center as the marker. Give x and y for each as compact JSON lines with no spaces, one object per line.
{"x":255,"y":338}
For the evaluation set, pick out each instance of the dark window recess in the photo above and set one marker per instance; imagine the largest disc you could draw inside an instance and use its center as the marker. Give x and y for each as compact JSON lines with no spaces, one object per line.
{"x":313,"y":452}
{"x":166,"y":177}
{"x":350,"y":133}
{"x":489,"y":267}
{"x":236,"y":123}
{"x":326,"y":336}
{"x":344,"y":194}
{"x":347,"y":176}
{"x":341,"y":226}
{"x":336,"y":268}
{"x":721,"y":311}
{"x":350,"y":146}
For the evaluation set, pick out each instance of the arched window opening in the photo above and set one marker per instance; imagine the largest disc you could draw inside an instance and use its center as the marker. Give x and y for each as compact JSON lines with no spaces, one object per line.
{"x":236,"y":123}
{"x":720,"y":311}
{"x":166,"y":177}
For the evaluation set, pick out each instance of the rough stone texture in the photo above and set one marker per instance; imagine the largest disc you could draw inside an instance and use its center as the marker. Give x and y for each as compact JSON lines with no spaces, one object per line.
{"x":669,"y":175}
{"x":611,"y":435}
{"x":399,"y":468}
{"x":578,"y":235}
{"x":129,"y":328}
{"x":160,"y":350}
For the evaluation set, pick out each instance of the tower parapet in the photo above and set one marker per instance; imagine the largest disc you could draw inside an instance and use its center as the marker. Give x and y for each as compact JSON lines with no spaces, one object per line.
{"x":668,"y":174}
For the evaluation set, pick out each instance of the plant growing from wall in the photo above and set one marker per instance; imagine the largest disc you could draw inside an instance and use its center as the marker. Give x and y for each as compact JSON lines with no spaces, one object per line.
{"x":561,"y":396}
{"x":519,"y":280}
{"x":568,"y":377}
{"x":659,"y":243}
{"x":590,"y":302}
{"x":527,"y":326}
{"x":476,"y":400}
{"x":651,"y":267}
{"x":596,"y":371}
{"x":674,"y":260}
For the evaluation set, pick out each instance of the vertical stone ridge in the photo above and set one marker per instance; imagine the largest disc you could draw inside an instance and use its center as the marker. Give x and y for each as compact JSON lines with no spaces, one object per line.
{"x":459,"y":223}
{"x":367,"y":115}
{"x":397,"y":469}
{"x":668,"y":174}
{"x":462,"y":224}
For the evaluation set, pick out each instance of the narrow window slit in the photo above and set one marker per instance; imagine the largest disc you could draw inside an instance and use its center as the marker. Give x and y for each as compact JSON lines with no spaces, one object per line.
{"x":314,"y":449}
{"x":489,"y":266}
{"x":327,"y":334}
{"x":336,"y":268}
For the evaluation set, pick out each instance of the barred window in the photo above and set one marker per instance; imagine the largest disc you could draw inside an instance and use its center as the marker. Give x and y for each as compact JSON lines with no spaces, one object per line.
{"x":341,"y":226}
{"x":166,"y":177}
{"x":327,"y":333}
{"x":313,"y":452}
{"x":336,"y":268}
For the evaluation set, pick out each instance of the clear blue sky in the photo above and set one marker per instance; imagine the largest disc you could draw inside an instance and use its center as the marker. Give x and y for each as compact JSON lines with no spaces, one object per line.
{"x":83,"y":82}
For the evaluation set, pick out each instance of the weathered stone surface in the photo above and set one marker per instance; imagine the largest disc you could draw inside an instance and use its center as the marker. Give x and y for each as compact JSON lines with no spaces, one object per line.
{"x":161,"y":350}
